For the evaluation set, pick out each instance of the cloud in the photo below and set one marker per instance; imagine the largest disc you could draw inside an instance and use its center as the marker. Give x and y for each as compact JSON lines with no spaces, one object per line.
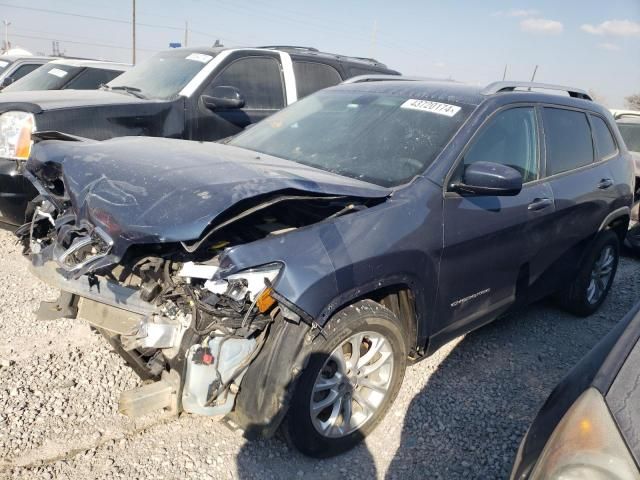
{"x":612,"y":47}
{"x":541,"y":25}
{"x":514,"y":12}
{"x":620,"y":28}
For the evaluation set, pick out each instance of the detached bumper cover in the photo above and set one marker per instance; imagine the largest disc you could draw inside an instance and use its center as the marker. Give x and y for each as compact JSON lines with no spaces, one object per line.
{"x":15,"y":193}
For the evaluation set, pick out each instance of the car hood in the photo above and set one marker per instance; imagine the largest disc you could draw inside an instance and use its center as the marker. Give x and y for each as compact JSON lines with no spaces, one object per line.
{"x":40,"y":100}
{"x":148,"y":190}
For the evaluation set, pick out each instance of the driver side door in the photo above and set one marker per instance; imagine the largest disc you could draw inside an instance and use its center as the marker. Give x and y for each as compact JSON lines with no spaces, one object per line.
{"x":259,"y":81}
{"x":488,"y":240}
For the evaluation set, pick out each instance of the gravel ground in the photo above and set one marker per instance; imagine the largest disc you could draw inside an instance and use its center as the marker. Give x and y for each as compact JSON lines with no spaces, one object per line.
{"x":460,"y":414}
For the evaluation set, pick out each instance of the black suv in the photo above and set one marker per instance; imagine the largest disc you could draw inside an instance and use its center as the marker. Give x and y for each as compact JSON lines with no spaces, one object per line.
{"x":189,"y":93}
{"x":287,"y":276}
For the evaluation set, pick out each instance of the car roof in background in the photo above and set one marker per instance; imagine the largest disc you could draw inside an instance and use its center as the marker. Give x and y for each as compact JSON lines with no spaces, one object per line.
{"x":448,"y":90}
{"x":626,"y":116}
{"x":291,"y":49}
{"x":92,"y":64}
{"x":15,"y":58}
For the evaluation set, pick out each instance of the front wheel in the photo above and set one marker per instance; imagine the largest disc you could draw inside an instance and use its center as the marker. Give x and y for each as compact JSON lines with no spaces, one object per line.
{"x":590,"y":288}
{"x":352,"y":378}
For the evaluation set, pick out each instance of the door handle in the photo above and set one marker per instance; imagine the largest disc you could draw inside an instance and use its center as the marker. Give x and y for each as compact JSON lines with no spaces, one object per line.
{"x":605,"y":183}
{"x":540,"y":203}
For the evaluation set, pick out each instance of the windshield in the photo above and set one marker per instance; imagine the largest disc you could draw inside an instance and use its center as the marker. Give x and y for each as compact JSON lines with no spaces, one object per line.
{"x":376,"y":137}
{"x":631,"y":134}
{"x":51,"y":76}
{"x":163,"y":75}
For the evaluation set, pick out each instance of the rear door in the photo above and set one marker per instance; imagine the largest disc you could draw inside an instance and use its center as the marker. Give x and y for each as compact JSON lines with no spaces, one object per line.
{"x":583,"y":188}
{"x":489,"y":240}
{"x":259,"y":79}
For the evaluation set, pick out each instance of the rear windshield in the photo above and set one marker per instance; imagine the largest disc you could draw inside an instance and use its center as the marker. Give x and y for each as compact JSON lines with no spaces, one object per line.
{"x":163,"y":75}
{"x":51,"y":76}
{"x":376,"y":137}
{"x":631,"y":134}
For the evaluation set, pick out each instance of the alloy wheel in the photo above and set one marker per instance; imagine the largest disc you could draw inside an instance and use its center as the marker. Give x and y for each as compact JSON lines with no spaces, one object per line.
{"x":352,"y":384}
{"x":601,"y":275}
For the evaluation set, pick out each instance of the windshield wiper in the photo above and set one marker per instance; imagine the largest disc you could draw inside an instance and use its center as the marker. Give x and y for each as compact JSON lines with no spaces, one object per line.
{"x":136,"y":92}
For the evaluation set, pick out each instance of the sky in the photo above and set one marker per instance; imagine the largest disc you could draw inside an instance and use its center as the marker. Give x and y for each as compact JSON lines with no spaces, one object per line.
{"x":589,"y":44}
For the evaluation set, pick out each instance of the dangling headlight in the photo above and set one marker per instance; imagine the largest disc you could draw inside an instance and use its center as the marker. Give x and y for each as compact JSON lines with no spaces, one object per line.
{"x":15,"y":134}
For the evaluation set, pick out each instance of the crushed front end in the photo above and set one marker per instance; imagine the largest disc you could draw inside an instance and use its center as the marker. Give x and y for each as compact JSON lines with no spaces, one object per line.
{"x":169,"y":313}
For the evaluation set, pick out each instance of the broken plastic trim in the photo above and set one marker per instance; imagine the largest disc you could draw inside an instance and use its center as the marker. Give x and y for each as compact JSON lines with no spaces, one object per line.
{"x":304,"y":316}
{"x":55,"y":135}
{"x":261,"y":206}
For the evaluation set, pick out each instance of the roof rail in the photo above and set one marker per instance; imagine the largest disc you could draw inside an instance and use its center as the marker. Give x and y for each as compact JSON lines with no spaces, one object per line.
{"x":497,"y":87}
{"x":367,"y":59}
{"x":289,"y":47}
{"x":379,"y":78}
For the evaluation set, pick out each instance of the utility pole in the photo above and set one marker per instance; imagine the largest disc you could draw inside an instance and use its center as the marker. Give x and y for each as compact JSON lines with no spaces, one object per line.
{"x":133,"y":33}
{"x":186,"y":33}
{"x":6,"y":34}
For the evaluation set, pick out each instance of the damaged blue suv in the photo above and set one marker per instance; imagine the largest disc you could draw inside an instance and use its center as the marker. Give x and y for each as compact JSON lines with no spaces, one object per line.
{"x":284,"y":279}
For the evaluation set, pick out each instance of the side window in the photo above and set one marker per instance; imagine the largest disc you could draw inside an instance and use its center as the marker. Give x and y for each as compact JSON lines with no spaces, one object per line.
{"x":258,"y":79}
{"x":311,"y":77}
{"x":510,"y":139}
{"x":568,"y":138}
{"x":91,"y":79}
{"x":23,"y":70}
{"x":605,"y":144}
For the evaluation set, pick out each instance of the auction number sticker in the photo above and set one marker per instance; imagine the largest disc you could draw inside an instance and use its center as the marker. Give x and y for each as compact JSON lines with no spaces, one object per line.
{"x":57,"y":72}
{"x":429,"y":106}
{"x":199,"y":57}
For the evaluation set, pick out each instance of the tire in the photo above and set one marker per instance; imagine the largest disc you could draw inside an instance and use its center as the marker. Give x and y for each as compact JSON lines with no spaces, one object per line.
{"x":579,"y":297}
{"x":322,"y":432}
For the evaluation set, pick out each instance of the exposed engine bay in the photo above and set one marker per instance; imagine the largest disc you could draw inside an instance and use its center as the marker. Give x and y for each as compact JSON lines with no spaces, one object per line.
{"x":169,"y":309}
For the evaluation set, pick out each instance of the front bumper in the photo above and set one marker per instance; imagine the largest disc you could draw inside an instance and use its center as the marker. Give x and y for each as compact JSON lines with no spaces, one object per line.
{"x":99,"y":290}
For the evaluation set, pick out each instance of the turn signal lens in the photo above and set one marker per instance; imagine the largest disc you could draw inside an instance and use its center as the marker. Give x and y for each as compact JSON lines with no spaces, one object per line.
{"x":265,"y":301}
{"x":586,"y":444}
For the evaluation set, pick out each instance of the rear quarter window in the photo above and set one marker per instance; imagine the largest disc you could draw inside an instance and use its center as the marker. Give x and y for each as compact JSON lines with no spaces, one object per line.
{"x":605,"y":144}
{"x":568,"y":139}
{"x":311,"y":77}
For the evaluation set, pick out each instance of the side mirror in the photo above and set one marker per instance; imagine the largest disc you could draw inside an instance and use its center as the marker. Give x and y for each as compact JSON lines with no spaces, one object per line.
{"x":489,"y":179}
{"x":6,"y":81}
{"x":223,"y":98}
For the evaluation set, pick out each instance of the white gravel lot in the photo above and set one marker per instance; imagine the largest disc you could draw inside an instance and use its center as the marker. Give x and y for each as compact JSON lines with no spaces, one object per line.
{"x":460,"y":413}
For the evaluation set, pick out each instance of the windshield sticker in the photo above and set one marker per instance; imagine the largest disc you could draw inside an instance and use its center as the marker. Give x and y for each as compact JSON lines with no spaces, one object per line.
{"x":57,"y":72}
{"x":3,"y":63}
{"x":199,"y":57}
{"x":429,"y":106}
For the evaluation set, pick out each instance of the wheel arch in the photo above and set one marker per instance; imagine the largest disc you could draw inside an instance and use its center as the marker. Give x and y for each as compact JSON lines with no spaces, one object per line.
{"x":398,"y":294}
{"x":617,"y":221}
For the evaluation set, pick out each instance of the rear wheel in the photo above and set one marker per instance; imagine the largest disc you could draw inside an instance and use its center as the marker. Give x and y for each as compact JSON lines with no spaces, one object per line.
{"x":351,"y":380}
{"x":590,"y":288}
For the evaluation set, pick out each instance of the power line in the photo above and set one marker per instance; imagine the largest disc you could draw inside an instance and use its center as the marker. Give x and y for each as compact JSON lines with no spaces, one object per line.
{"x":35,"y":37}
{"x":90,"y":17}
